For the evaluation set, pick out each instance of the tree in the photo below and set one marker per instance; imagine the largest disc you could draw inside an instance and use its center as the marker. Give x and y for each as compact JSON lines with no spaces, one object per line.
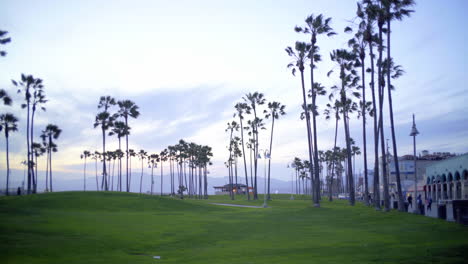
{"x":37,"y":150}
{"x":395,"y":9}
{"x":163,"y":156}
{"x":127,"y":109}
{"x":5,"y":97}
{"x":255,"y":100}
{"x":299,"y":61}
{"x":8,"y":123}
{"x":315,"y":25}
{"x":275,"y":110}
{"x":333,"y":109}
{"x":86,"y":154}
{"x":120,"y":130}
{"x":4,"y":40}
{"x":231,"y":127}
{"x":142,"y":155}
{"x":25,"y":85}
{"x":96,"y":156}
{"x":349,"y":80}
{"x":104,"y":120}
{"x":51,"y":133}
{"x":153,"y":160}
{"x":241,"y":109}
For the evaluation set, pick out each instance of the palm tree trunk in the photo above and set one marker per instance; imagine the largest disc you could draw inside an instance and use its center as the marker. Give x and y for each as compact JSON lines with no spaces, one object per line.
{"x":141,"y":178}
{"x":120,"y":166}
{"x":34,"y":182}
{"x":104,"y":171}
{"x":349,"y":167}
{"x":50,"y":164}
{"x":28,"y":143}
{"x":330,"y":195}
{"x":127,"y":154}
{"x":84,"y":174}
{"x":47,"y":171}
{"x":243,"y":155}
{"x":364,"y":139}
{"x":308,"y":126}
{"x":269,"y":160}
{"x":161,"y":177}
{"x":376,"y":134}
{"x":401,"y":206}
{"x":7,"y":160}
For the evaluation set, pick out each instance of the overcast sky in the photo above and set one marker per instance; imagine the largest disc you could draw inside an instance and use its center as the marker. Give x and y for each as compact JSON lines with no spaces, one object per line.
{"x":186,"y":63}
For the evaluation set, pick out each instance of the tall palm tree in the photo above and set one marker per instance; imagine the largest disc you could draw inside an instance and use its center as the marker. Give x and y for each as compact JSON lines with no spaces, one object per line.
{"x":96,"y":156}
{"x":131,"y":153}
{"x":25,"y":85}
{"x":367,"y":10}
{"x":37,"y":150}
{"x":120,"y":130}
{"x":349,"y":80}
{"x":86,"y":154}
{"x":127,"y":109}
{"x":4,"y":40}
{"x":8,"y":123}
{"x":275,"y":110}
{"x":153,"y":160}
{"x":300,"y":58}
{"x":163,"y":156}
{"x":395,"y":9}
{"x":142,"y":155}
{"x":333,"y":109}
{"x":231,"y":127}
{"x":37,"y":100}
{"x":315,"y":25}
{"x":105,"y":121}
{"x":243,"y":108}
{"x":255,"y":100}
{"x":51,"y":133}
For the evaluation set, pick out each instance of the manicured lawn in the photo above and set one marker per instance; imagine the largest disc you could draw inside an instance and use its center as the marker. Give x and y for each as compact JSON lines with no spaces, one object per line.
{"x":92,"y":227}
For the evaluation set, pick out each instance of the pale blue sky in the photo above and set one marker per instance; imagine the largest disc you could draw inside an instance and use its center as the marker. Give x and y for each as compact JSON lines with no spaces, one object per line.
{"x":186,"y":63}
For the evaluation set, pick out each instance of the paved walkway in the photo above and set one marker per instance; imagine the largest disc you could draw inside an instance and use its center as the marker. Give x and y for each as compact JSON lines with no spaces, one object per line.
{"x":238,"y":205}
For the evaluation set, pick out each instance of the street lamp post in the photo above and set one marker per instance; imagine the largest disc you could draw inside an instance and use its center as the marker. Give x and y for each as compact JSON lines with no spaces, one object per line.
{"x":414,"y":133}
{"x":266,"y":155}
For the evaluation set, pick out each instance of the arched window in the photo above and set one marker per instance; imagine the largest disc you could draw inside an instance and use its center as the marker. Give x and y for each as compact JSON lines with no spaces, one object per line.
{"x":433,"y":180}
{"x":457,"y":176}
{"x":465,"y":175}
{"x":428,"y":180}
{"x":450,"y":177}
{"x":443,"y":178}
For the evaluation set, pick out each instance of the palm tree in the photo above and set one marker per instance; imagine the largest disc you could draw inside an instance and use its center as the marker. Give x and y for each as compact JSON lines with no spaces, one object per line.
{"x":163,"y":156}
{"x":96,"y":156}
{"x":254,"y":100}
{"x":37,"y":150}
{"x":333,"y":109}
{"x":131,"y":153}
{"x":38,"y":99}
{"x":142,"y":155}
{"x":3,"y":40}
{"x":8,"y":122}
{"x":299,"y":61}
{"x":242,"y":108}
{"x":105,"y":120}
{"x":51,"y":132}
{"x":231,"y":127}
{"x":84,"y":156}
{"x":153,"y":160}
{"x":349,"y":80}
{"x":395,"y":9}
{"x":275,"y":111}
{"x":315,"y":26}
{"x":127,"y":109}
{"x":359,"y":45}
{"x":367,"y":10}
{"x":25,"y":85}
{"x":5,"y":97}
{"x":120,"y":130}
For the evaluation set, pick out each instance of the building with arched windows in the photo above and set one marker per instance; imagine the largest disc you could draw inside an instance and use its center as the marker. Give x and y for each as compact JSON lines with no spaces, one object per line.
{"x":447,"y":186}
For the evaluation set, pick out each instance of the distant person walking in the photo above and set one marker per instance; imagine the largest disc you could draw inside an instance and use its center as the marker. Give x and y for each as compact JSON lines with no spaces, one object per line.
{"x":420,"y":205}
{"x":429,"y":204}
{"x":410,"y":201}
{"x":18,"y":191}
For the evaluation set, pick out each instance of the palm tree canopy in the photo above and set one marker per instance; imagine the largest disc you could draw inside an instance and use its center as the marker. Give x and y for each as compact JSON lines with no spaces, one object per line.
{"x":8,"y":123}
{"x":299,"y":56}
{"x":120,"y":129}
{"x":4,"y":40}
{"x":5,"y":97}
{"x":275,"y":110}
{"x":128,"y":108}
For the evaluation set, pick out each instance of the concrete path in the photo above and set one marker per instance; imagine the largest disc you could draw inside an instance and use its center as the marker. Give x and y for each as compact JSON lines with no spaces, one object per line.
{"x":238,"y":205}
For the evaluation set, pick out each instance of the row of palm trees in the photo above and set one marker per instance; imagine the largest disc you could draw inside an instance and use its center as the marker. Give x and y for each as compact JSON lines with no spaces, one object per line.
{"x":251,"y":108}
{"x":373,"y":20}
{"x":184,"y":159}
{"x":34,"y":99}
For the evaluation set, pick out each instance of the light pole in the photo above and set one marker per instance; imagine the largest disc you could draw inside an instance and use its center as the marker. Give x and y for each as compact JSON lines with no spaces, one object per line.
{"x":266,"y":155}
{"x":414,"y":132}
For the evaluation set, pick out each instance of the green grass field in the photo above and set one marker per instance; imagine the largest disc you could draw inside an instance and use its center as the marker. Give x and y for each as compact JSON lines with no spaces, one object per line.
{"x":92,"y":227}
